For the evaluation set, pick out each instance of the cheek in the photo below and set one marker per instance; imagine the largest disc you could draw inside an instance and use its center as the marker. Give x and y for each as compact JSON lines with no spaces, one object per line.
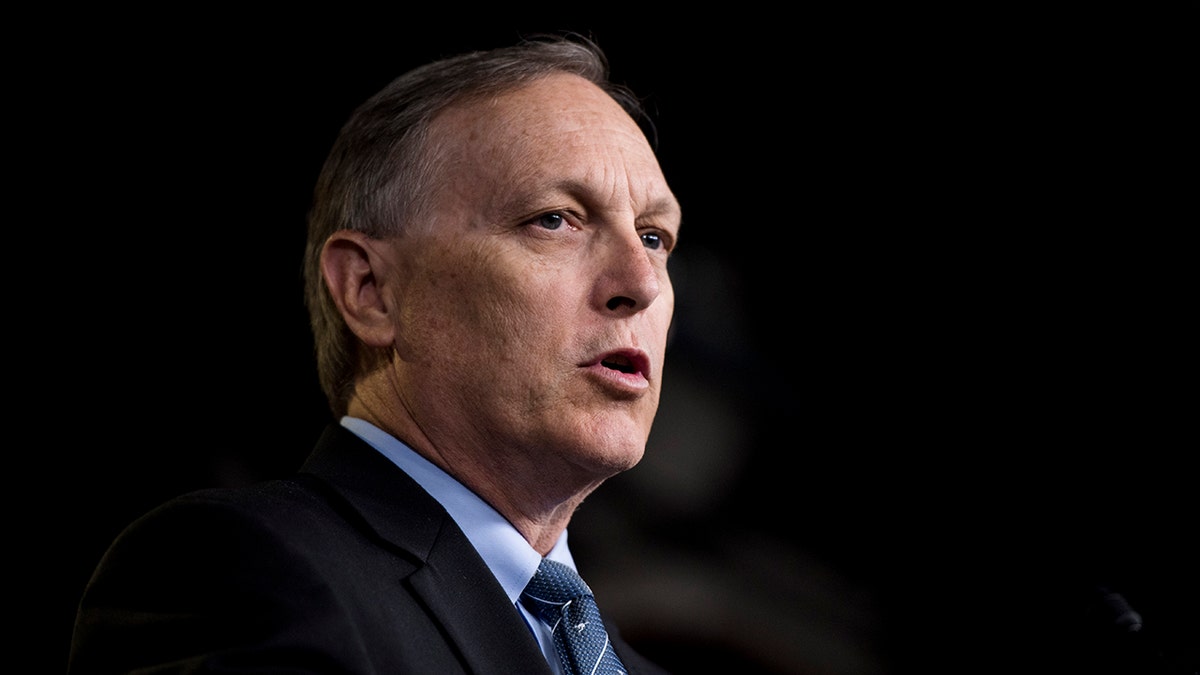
{"x":485,"y":312}
{"x":663,"y":311}
{"x":527,"y":322}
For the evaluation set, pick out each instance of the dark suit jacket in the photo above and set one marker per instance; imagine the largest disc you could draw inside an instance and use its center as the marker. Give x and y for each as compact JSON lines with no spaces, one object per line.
{"x":348,"y":567}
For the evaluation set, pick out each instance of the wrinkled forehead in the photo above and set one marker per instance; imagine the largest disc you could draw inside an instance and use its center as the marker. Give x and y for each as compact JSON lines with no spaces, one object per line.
{"x":556,"y":129}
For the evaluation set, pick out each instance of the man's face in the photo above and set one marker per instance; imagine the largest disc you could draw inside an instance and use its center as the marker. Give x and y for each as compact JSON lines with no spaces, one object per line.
{"x":534,"y":306}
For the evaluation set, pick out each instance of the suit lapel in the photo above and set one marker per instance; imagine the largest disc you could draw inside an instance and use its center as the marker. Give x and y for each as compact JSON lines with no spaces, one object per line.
{"x":488,"y":629}
{"x":450,"y":578}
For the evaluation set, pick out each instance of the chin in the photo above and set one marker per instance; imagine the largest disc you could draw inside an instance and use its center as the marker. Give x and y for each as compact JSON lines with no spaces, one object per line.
{"x":607,"y":444}
{"x":616,"y":455}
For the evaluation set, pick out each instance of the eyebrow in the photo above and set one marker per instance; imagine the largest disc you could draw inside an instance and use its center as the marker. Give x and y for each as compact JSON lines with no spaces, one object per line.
{"x":526,"y":202}
{"x":666,"y":206}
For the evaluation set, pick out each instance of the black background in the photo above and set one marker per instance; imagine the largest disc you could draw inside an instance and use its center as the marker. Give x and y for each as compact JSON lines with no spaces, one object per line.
{"x":932,"y":376}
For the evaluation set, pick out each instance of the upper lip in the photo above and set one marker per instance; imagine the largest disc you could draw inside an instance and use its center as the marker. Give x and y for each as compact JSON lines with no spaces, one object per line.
{"x":627,"y":360}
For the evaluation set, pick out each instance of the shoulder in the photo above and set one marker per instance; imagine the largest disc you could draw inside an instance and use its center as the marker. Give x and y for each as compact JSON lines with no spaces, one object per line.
{"x":222,"y":578}
{"x":214,"y":532}
{"x":266,"y":502}
{"x":233,"y":570}
{"x":287,"y":523}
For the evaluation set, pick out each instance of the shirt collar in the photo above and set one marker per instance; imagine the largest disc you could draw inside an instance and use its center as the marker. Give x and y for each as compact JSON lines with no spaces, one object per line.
{"x":511,"y":559}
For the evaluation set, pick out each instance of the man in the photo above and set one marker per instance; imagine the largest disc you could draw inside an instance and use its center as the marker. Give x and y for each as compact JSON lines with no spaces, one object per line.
{"x":486,"y":274}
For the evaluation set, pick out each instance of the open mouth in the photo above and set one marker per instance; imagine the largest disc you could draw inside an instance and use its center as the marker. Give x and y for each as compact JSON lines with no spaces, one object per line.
{"x":627,"y":361}
{"x":619,"y":362}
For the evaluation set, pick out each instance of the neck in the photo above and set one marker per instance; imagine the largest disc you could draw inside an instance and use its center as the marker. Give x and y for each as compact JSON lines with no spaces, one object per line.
{"x":535,"y":498}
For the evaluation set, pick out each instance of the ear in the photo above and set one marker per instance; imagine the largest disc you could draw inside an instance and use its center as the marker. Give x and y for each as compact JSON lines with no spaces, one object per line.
{"x":355,"y":272}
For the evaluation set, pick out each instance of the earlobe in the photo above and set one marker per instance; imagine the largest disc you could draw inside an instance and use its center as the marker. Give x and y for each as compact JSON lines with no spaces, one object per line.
{"x":355,"y":276}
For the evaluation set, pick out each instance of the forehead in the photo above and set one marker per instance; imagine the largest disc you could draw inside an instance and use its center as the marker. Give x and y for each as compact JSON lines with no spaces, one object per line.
{"x":558,"y":102}
{"x":560,"y":128}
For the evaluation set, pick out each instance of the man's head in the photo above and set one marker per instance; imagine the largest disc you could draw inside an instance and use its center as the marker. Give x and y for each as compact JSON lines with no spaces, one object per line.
{"x":494,"y":233}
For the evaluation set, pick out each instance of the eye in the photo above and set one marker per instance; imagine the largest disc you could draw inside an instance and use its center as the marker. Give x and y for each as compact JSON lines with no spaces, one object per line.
{"x":655,"y":241}
{"x":550,"y":221}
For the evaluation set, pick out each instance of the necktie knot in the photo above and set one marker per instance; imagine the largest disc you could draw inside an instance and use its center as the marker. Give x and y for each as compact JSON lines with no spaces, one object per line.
{"x":552,"y":589}
{"x":559,"y":598}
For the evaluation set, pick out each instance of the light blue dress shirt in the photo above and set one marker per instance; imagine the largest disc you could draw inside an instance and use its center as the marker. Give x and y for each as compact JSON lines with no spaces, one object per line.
{"x":502,"y":548}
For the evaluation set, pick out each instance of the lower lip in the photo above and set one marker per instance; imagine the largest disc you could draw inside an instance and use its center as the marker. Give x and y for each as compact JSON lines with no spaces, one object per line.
{"x":628,"y":382}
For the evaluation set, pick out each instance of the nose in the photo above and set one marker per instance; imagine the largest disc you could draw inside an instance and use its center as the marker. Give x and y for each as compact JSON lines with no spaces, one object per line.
{"x":629,"y":280}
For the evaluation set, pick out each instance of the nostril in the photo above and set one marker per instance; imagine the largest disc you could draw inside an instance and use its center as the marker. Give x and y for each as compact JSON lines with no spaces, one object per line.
{"x":619,"y":301}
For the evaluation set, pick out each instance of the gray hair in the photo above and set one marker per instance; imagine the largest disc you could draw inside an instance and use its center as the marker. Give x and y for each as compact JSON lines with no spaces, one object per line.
{"x":377,"y":176}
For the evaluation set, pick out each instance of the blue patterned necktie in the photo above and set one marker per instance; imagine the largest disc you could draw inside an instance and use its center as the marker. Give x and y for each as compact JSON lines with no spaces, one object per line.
{"x":560,"y":598}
